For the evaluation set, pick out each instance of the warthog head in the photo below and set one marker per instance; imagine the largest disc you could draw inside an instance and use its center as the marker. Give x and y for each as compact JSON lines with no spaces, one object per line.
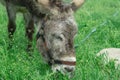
{"x":55,"y":39}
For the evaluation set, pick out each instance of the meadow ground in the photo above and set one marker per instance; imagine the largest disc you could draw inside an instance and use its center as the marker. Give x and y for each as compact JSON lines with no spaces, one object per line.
{"x":99,"y":27}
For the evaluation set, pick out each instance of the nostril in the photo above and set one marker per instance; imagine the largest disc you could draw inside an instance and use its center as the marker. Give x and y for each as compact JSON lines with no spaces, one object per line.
{"x":68,"y":69}
{"x":57,"y":70}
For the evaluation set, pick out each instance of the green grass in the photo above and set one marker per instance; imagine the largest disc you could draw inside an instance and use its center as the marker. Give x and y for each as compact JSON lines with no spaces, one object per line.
{"x":15,"y":64}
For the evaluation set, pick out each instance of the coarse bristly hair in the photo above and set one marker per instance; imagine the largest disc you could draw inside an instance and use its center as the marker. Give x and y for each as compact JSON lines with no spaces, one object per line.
{"x":56,"y":29}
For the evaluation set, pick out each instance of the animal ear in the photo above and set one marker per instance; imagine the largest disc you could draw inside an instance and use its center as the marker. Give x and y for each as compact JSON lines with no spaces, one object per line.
{"x":43,"y":2}
{"x":76,"y":4}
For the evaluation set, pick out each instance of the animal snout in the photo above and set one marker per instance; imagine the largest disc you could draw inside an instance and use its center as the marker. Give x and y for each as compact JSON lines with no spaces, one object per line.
{"x":69,"y":69}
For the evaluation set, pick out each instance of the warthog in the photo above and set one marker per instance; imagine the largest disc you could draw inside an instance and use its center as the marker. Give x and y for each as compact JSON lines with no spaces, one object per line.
{"x":56,"y":32}
{"x":111,"y":54}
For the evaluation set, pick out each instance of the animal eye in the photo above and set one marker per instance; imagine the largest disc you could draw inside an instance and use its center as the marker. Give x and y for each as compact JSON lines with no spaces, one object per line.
{"x":59,"y":38}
